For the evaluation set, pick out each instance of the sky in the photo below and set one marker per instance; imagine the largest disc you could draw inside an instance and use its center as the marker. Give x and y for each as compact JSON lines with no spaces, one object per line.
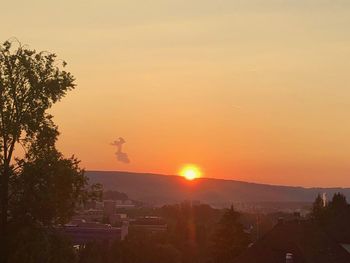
{"x":253,"y":90}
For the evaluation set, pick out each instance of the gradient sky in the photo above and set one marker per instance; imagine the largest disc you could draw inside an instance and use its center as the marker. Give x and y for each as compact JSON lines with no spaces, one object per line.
{"x":248,"y":90}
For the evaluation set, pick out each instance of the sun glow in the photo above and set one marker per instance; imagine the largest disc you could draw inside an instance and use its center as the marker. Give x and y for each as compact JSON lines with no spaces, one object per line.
{"x":190,"y":172}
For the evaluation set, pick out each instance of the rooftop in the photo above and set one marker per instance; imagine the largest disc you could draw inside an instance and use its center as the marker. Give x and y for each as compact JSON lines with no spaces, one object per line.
{"x":303,"y":239}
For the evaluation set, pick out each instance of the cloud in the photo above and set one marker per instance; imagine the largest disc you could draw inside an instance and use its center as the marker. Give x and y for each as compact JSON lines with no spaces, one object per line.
{"x":121,"y":156}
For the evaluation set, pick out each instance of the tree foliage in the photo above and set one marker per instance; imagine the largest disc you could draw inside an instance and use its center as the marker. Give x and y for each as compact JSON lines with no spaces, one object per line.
{"x":334,"y":217}
{"x":318,"y":209}
{"x":32,"y":244}
{"x":137,"y":249}
{"x":41,"y":187}
{"x":229,"y":239}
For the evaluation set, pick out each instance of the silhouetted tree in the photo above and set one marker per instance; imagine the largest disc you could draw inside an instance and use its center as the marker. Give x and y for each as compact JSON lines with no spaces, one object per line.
{"x":95,"y":252}
{"x":229,"y":239}
{"x":318,"y":209}
{"x":137,"y":248}
{"x":189,"y":228}
{"x":35,"y":244}
{"x":324,"y":213}
{"x":338,"y":203}
{"x":334,"y":217}
{"x":338,"y":218}
{"x":41,"y":188}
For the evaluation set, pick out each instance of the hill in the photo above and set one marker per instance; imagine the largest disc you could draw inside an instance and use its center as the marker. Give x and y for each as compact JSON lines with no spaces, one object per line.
{"x":164,"y":189}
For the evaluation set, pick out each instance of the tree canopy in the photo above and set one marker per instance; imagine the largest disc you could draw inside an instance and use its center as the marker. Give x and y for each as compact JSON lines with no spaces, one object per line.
{"x":41,"y":187}
{"x":230,"y":239}
{"x":333,"y":216}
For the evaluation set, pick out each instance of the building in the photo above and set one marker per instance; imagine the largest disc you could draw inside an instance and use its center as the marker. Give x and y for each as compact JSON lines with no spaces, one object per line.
{"x":295,"y":242}
{"x":126,"y":204}
{"x":91,"y":215}
{"x":151,"y":224}
{"x":82,"y":232}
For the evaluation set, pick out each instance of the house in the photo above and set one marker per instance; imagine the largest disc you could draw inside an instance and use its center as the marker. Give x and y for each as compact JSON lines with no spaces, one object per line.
{"x":153,"y":224}
{"x":295,"y":242}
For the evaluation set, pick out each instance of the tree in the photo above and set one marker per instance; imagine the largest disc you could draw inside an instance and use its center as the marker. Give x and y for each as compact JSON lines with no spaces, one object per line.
{"x":33,"y":244}
{"x":318,"y":209}
{"x":40,"y":188}
{"x":229,"y":239}
{"x":336,"y":208}
{"x":334,"y":217}
{"x":338,"y":203}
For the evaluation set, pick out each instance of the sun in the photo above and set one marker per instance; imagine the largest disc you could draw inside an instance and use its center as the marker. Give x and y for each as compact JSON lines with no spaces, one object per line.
{"x":190,"y":172}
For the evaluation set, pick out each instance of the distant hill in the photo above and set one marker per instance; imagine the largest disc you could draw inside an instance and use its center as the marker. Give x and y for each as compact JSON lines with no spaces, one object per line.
{"x":164,"y":189}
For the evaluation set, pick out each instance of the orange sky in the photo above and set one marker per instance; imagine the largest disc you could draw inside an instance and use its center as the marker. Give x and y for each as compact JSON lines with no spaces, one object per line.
{"x":248,"y":90}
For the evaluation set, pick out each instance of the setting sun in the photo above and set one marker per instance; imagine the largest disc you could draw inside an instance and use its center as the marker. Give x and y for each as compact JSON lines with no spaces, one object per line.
{"x":190,"y":172}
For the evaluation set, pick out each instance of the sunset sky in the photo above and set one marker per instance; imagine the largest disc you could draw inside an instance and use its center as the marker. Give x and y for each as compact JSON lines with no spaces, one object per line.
{"x":247,"y":90}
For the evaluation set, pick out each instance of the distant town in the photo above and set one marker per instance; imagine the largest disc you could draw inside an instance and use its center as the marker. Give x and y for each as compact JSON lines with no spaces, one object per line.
{"x":116,"y":218}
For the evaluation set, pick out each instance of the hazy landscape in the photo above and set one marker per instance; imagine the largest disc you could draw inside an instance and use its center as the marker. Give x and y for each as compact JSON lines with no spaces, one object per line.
{"x":164,"y":189}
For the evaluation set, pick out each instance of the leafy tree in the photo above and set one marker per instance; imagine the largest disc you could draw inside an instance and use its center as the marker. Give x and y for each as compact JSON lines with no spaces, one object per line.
{"x":229,"y":239}
{"x":167,"y":253}
{"x":190,"y":228}
{"x":95,"y":252}
{"x":137,"y":248}
{"x":318,"y":209}
{"x":334,"y":217}
{"x":40,"y":188}
{"x":338,"y":218}
{"x":338,"y":203}
{"x":336,"y":208}
{"x":34,"y":244}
